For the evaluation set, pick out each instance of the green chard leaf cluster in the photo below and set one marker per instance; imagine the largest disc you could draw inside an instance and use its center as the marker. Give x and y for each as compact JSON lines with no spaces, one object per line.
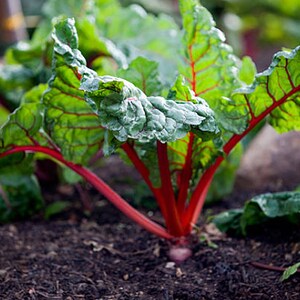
{"x":109,"y":78}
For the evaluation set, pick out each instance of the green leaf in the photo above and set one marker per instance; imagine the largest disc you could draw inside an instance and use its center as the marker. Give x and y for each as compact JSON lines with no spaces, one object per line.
{"x":69,"y":120}
{"x":229,"y":220}
{"x":20,"y":195}
{"x":207,"y":62}
{"x":196,"y":151}
{"x":278,"y":204}
{"x":3,"y":115}
{"x":155,"y":38}
{"x":68,"y":8}
{"x":70,"y":176}
{"x":144,"y":74}
{"x":35,"y":94}
{"x":247,"y":71}
{"x":259,"y":210}
{"x":94,"y":46}
{"x":290,"y":271}
{"x":208,"y":70}
{"x":15,"y":80}
{"x":25,"y":54}
{"x":23,"y":127}
{"x":129,"y":113}
{"x":55,"y":208}
{"x":122,"y":108}
{"x":275,"y":91}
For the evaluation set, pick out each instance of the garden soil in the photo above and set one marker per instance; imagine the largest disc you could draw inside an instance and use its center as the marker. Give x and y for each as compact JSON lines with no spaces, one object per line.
{"x":105,"y":256}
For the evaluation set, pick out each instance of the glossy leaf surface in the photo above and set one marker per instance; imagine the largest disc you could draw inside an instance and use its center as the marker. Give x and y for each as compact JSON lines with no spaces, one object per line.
{"x":290,"y":271}
{"x":274,"y":92}
{"x":69,"y":120}
{"x":259,"y":210}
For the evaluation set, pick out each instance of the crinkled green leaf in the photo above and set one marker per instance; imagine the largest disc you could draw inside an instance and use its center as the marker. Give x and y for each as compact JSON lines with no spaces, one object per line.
{"x":275,"y":91}
{"x":196,"y":151}
{"x":130,"y":114}
{"x":69,"y":120}
{"x":144,"y":74}
{"x":122,"y":108}
{"x":290,"y":271}
{"x":182,"y":92}
{"x":278,"y":204}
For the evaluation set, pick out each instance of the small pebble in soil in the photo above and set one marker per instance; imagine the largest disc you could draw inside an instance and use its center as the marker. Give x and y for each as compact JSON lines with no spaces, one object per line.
{"x":170,"y":265}
{"x":179,"y":273}
{"x":126,"y":277}
{"x":179,"y":254}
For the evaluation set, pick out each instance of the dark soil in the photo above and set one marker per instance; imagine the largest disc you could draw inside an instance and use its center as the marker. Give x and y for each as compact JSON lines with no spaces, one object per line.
{"x":106,"y":256}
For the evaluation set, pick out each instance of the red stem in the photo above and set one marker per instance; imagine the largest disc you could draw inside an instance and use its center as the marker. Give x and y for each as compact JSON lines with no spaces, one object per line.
{"x":101,"y":186}
{"x":186,"y":175}
{"x":174,"y":224}
{"x":143,"y":170}
{"x":269,"y":267}
{"x":191,"y":214}
{"x":194,"y":209}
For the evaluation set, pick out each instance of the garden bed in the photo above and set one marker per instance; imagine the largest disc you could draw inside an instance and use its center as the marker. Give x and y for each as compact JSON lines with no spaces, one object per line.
{"x":106,"y":256}
{"x":83,"y":258}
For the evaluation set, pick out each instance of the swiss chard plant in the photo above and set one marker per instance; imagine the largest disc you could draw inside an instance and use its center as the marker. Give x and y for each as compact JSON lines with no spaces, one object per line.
{"x":176,"y":122}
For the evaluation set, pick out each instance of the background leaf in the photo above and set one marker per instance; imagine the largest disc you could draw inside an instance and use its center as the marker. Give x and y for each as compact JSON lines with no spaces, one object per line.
{"x":144,"y":74}
{"x":155,"y":38}
{"x":20,"y":195}
{"x":290,"y":271}
{"x":259,"y":210}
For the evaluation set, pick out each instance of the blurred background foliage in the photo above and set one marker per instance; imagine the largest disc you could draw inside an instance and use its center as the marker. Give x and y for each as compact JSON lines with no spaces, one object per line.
{"x":256,"y":28}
